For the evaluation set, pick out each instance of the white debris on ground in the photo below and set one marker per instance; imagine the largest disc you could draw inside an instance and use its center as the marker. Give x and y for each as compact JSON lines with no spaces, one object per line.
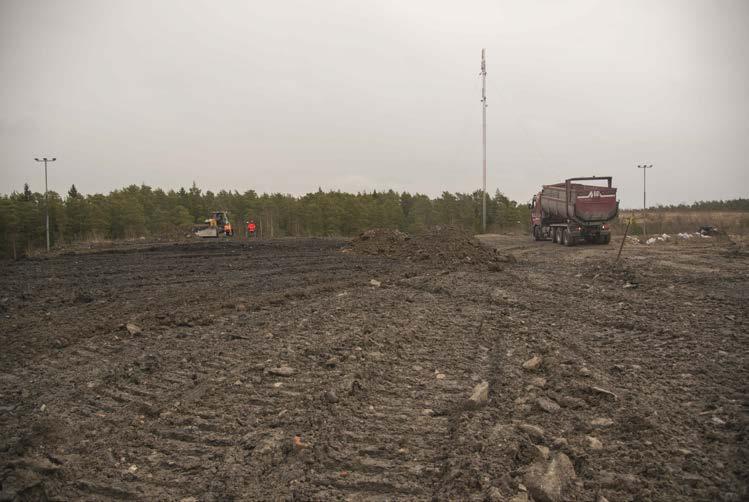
{"x":680,"y":235}
{"x":658,"y":238}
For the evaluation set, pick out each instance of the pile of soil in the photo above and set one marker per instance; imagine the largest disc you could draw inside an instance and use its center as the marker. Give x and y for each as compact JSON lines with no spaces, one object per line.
{"x":442,"y":244}
{"x":380,"y":241}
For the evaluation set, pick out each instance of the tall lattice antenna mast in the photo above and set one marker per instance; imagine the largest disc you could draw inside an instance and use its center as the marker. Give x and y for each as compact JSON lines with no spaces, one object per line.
{"x":483,"y":135}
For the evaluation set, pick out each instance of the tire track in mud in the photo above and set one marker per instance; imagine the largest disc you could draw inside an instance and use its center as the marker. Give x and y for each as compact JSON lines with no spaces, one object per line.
{"x":133,"y":400}
{"x":192,"y":408}
{"x":385,"y":434}
{"x":161,"y":430}
{"x":646,"y":356}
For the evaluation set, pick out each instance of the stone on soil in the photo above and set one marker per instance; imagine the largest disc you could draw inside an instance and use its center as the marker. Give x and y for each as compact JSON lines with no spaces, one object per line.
{"x":133,"y":329}
{"x":538,"y":382}
{"x":499,"y":295}
{"x":559,"y":443}
{"x":282,"y":371}
{"x":533,"y":431}
{"x":547,"y":481}
{"x":601,"y":422}
{"x":533,"y":363}
{"x":548,"y":405}
{"x":480,"y":393}
{"x":572,"y":402}
{"x":543,"y":451}
{"x":605,"y":392}
{"x":494,"y":267}
{"x":594,"y":443}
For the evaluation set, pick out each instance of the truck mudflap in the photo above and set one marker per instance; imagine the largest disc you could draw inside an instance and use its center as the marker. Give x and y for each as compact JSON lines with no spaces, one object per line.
{"x":582,"y":231}
{"x":598,"y":234}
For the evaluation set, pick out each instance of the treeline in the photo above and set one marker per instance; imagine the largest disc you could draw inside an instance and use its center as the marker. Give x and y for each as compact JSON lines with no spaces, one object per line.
{"x":709,"y":205}
{"x":142,"y":211}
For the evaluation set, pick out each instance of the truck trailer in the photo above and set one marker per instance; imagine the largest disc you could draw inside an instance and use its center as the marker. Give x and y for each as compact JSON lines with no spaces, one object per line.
{"x":570,"y":212}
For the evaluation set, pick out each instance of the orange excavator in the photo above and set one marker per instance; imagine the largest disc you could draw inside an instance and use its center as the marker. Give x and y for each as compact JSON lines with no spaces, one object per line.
{"x":217,"y":225}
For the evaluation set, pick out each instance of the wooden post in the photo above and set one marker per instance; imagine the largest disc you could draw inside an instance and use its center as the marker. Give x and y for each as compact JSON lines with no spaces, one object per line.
{"x":623,"y":239}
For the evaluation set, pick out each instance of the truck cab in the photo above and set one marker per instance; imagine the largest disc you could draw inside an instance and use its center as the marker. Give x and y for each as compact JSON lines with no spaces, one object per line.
{"x":535,"y":206}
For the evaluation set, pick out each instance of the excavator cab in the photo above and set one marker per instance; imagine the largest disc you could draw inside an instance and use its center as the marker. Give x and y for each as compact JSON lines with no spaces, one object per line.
{"x":218,"y":224}
{"x":222,"y":222}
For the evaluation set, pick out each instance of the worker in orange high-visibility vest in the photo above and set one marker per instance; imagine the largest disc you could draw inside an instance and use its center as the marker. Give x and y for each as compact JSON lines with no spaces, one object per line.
{"x":251,"y":228}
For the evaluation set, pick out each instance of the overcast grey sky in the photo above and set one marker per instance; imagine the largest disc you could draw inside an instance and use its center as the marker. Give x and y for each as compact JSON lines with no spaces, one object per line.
{"x":286,"y":96}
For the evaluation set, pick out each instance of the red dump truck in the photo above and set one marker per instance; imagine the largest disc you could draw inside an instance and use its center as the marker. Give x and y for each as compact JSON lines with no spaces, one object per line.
{"x":571,"y":212}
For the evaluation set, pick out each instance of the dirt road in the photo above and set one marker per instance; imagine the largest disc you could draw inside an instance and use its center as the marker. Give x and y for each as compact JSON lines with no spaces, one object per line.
{"x":279,"y":370}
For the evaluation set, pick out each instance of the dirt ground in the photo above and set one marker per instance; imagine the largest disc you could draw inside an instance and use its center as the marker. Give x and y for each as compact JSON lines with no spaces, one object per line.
{"x":279,"y":370}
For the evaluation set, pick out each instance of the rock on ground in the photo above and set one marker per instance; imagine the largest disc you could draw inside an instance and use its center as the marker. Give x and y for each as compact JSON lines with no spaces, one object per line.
{"x":547,"y":405}
{"x":594,"y":443}
{"x":480,"y":393}
{"x":533,"y":363}
{"x":282,"y":371}
{"x":533,"y":431}
{"x":547,"y":481}
{"x":133,"y":329}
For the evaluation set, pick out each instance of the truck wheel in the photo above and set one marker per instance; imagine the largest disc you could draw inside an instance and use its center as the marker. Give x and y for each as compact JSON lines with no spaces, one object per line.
{"x":536,"y":233}
{"x":567,"y":239}
{"x":605,"y":239}
{"x":554,"y":235}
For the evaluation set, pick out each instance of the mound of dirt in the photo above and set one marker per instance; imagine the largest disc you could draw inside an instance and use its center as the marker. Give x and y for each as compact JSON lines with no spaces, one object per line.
{"x":441,"y":244}
{"x":379,"y":241}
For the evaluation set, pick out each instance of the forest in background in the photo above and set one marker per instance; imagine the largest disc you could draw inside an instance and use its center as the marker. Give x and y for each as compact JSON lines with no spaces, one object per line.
{"x":141,"y":211}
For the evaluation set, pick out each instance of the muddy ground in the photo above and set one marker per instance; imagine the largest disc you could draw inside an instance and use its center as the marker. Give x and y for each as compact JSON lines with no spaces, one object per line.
{"x":277,"y":370}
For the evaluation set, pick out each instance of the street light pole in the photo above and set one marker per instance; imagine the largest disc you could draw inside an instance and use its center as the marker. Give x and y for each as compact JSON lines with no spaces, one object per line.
{"x":46,"y":192}
{"x":644,"y":168}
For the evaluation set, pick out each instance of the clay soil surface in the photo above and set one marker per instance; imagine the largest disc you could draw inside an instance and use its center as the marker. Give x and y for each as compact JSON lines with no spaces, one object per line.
{"x":278,"y":370}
